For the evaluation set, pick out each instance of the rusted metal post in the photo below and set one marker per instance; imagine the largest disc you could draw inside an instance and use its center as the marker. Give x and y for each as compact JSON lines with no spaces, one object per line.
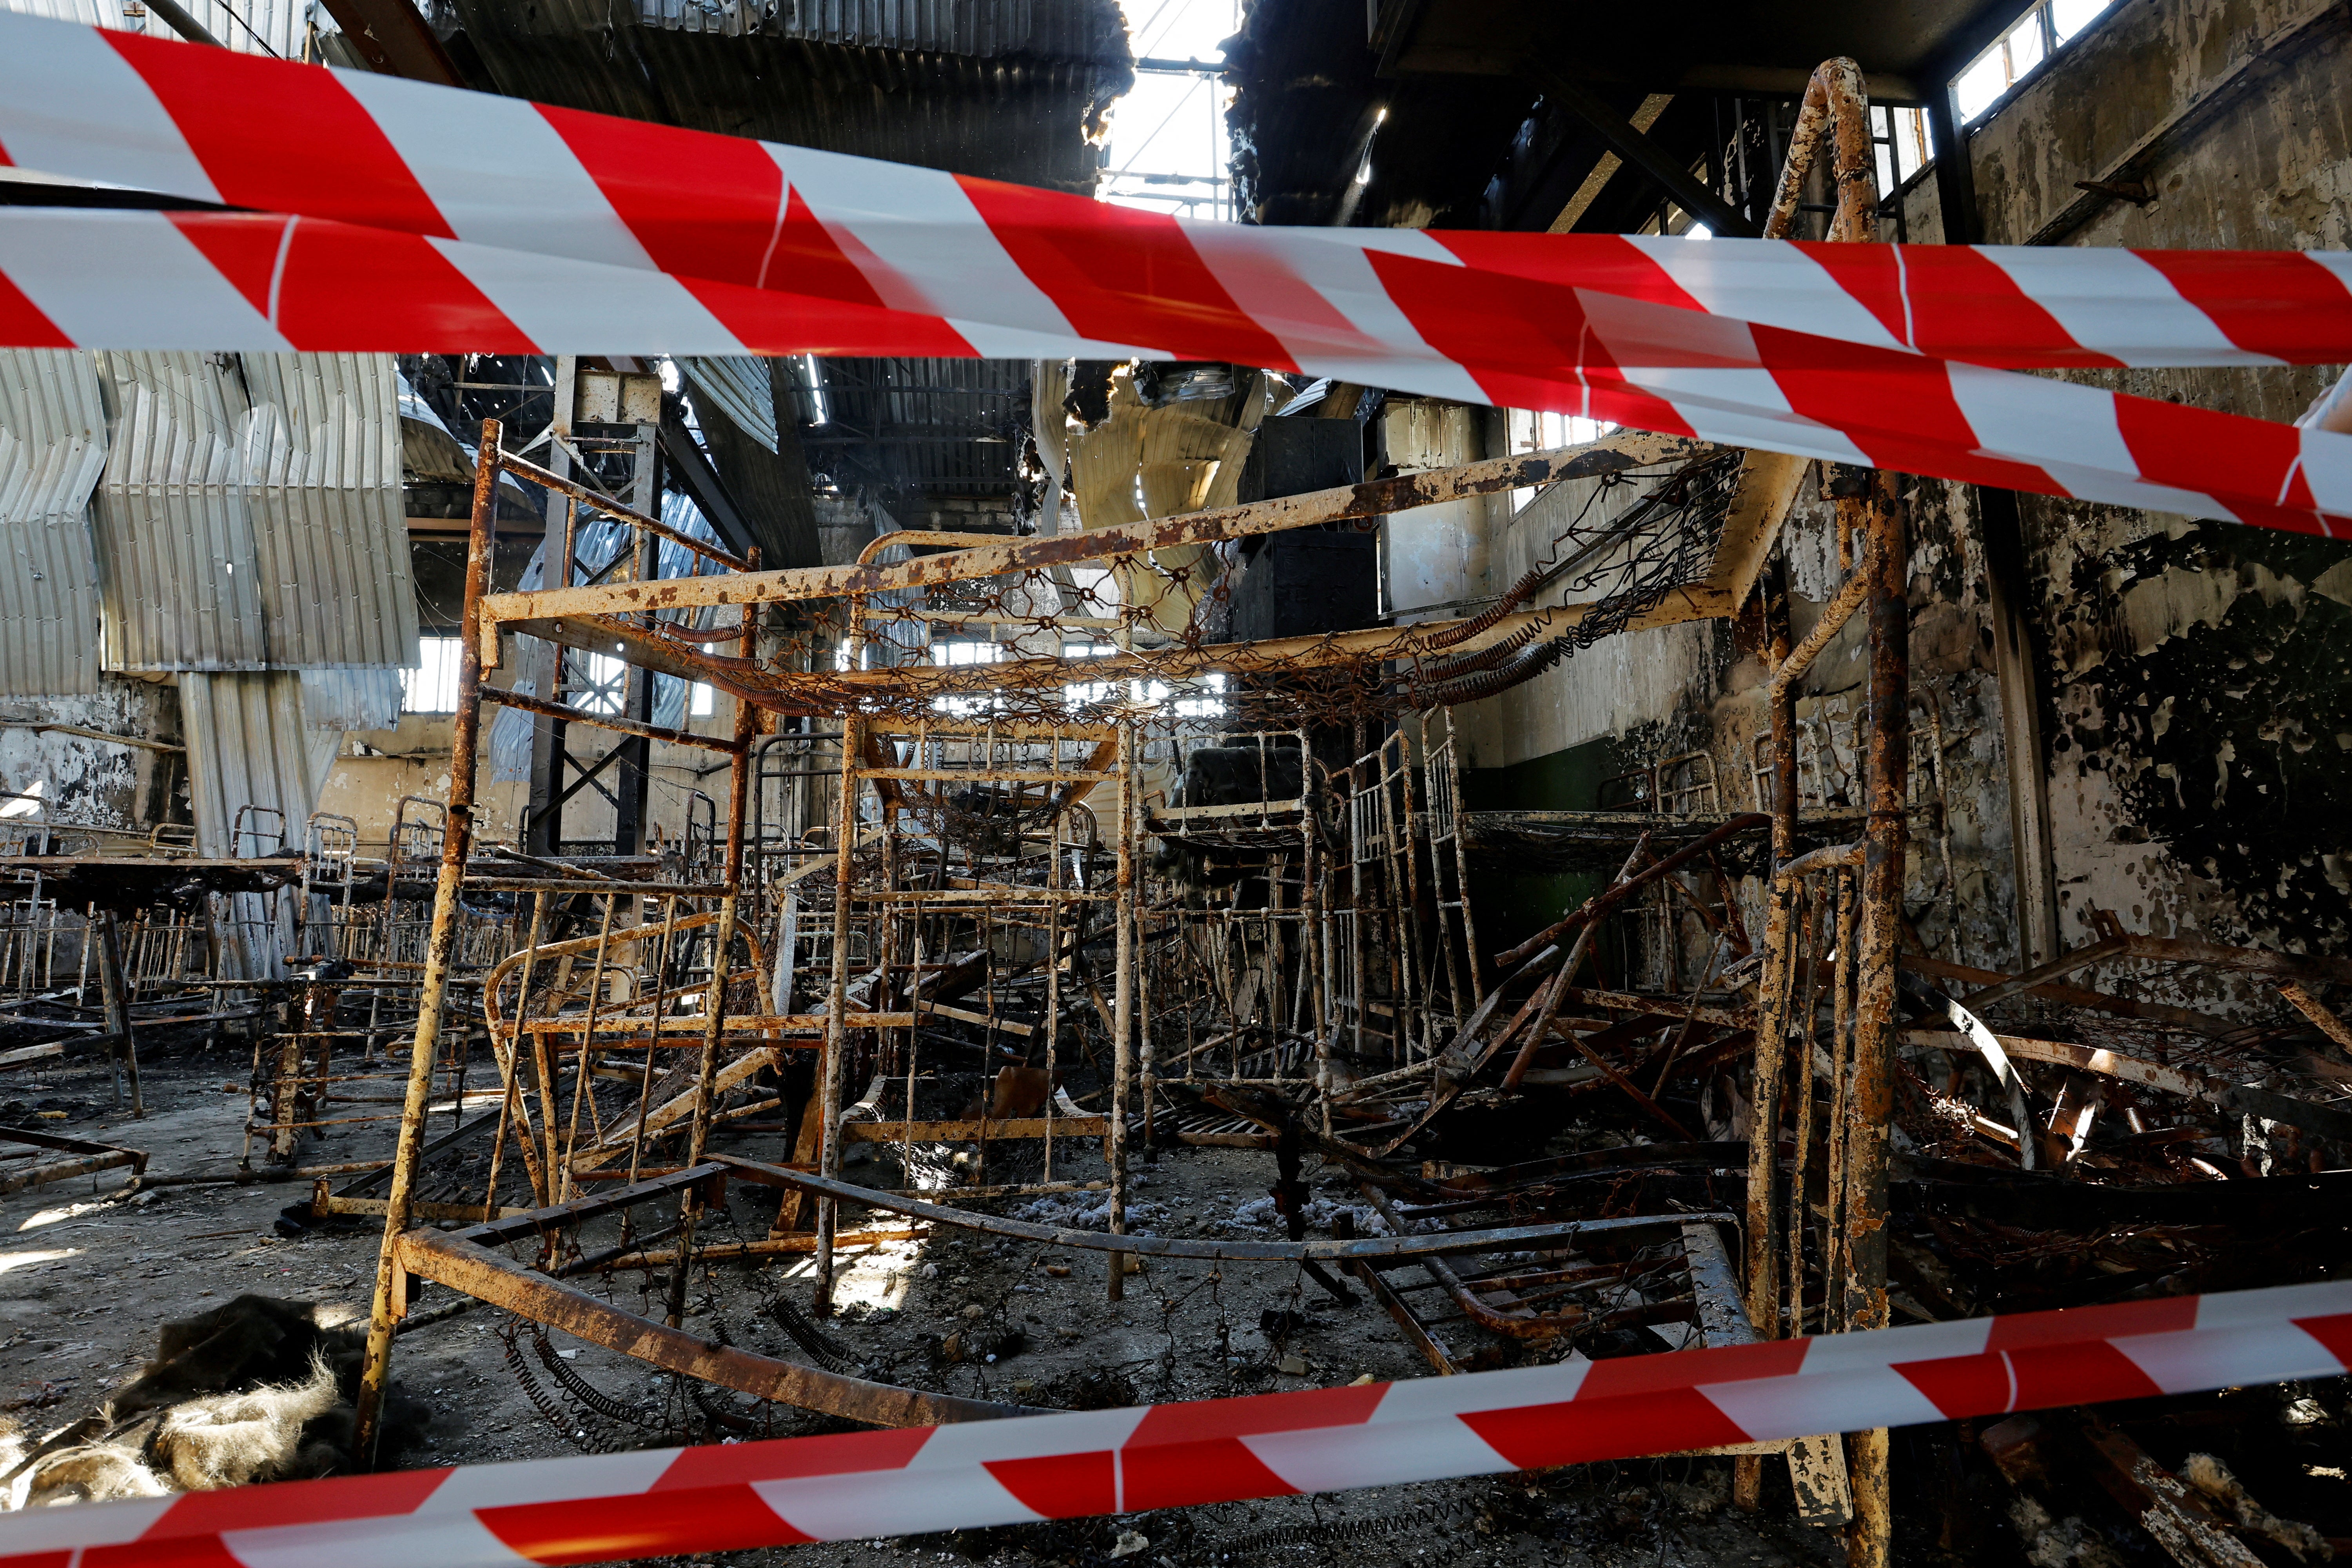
{"x":1844,"y":1131}
{"x":439,"y":949}
{"x":1835,"y":104}
{"x":583,"y":1086}
{"x":1132,"y":779}
{"x":714,"y":1004}
{"x":1314,"y":950}
{"x":549,"y":1185}
{"x":1834,"y":101}
{"x":1885,"y":562}
{"x":118,"y":1010}
{"x":1122,"y":1005}
{"x":836,"y":1031}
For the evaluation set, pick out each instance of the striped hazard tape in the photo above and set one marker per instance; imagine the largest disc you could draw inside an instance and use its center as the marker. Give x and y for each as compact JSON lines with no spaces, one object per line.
{"x":916,"y":1481}
{"x":389,"y":214}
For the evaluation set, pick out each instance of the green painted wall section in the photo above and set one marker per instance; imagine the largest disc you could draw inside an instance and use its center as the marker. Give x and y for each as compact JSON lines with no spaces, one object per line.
{"x":1511,"y":906}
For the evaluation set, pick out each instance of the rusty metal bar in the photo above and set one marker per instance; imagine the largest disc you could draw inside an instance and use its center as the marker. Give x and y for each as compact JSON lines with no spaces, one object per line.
{"x":2082,"y":996}
{"x":714,"y":1004}
{"x":252,"y":1178}
{"x":2057,"y":968}
{"x":490,"y":1276}
{"x":1540,"y":1031}
{"x":93,"y":1156}
{"x":975,"y":1130}
{"x":836,"y":1023}
{"x":1122,"y":1051}
{"x":34,"y":1138}
{"x":58,"y":1171}
{"x":827,"y":691}
{"x":439,"y":951}
{"x":2240,"y":1098}
{"x":1886,"y":564}
{"x":526,"y":703}
{"x":1836,"y":102}
{"x":480,"y":883}
{"x":1833,"y":96}
{"x":1415,"y":1332}
{"x":583,"y":1076}
{"x":2327,"y":1023}
{"x":2306,"y":967}
{"x":766,"y":1246}
{"x":1608,"y":898}
{"x":550,"y":1189}
{"x":1521,"y":1323}
{"x":1834,"y":615}
{"x":923,"y":536}
{"x":1373,"y":498}
{"x":1834,"y":858}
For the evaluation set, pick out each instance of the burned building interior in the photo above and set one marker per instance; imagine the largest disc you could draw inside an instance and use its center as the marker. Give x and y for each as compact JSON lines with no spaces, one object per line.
{"x":578,"y":904}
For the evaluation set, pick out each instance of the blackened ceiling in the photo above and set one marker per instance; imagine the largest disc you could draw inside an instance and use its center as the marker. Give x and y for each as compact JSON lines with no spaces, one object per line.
{"x":1439,"y":93}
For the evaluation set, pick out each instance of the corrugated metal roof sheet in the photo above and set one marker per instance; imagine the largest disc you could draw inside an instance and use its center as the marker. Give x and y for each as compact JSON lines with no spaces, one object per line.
{"x":989,"y":30}
{"x":1006,"y":90}
{"x":323,"y":469}
{"x":52,"y":450}
{"x":738,"y":386}
{"x":91,"y":13}
{"x":279,"y":23}
{"x":340,"y":699}
{"x":428,"y":449}
{"x":248,"y":746}
{"x":250,"y":514}
{"x":931,"y":425}
{"x":175,"y":551}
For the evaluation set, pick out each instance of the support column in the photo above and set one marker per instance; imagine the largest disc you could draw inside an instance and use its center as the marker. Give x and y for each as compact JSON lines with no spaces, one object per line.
{"x":714,"y":1006}
{"x":116,"y":994}
{"x":1771,"y":1042}
{"x":634,"y":772}
{"x":836,"y":1012}
{"x":439,"y":949}
{"x":1122,"y":1006}
{"x":1886,"y":563}
{"x":543,"y":834}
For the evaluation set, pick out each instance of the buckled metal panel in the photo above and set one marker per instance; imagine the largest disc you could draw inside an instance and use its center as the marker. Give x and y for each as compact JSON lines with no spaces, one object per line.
{"x":250,"y":515}
{"x":52,"y":450}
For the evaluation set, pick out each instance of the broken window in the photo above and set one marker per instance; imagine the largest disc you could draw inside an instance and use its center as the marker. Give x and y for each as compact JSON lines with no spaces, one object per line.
{"x":2019,"y":51}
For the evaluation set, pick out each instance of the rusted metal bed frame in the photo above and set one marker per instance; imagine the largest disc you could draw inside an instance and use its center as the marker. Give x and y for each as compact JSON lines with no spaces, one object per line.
{"x":620,"y":617}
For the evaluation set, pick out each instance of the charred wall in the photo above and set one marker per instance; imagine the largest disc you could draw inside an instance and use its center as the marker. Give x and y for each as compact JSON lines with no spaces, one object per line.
{"x":2196,"y":692}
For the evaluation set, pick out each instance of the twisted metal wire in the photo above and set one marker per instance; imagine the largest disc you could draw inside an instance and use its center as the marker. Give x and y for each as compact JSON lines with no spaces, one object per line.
{"x":1167,"y":613}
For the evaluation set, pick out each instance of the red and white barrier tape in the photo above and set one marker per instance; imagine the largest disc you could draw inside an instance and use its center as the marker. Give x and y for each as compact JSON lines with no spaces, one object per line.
{"x":390,"y":215}
{"x":912,"y":1481}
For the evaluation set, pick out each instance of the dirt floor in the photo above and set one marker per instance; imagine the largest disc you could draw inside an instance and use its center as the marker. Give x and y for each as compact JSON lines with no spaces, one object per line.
{"x":88,"y":1271}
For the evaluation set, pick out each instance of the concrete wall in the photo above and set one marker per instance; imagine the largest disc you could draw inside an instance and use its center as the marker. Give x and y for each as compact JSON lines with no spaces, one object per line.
{"x":377,"y":767}
{"x":1643,"y":681}
{"x":1433,"y":555}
